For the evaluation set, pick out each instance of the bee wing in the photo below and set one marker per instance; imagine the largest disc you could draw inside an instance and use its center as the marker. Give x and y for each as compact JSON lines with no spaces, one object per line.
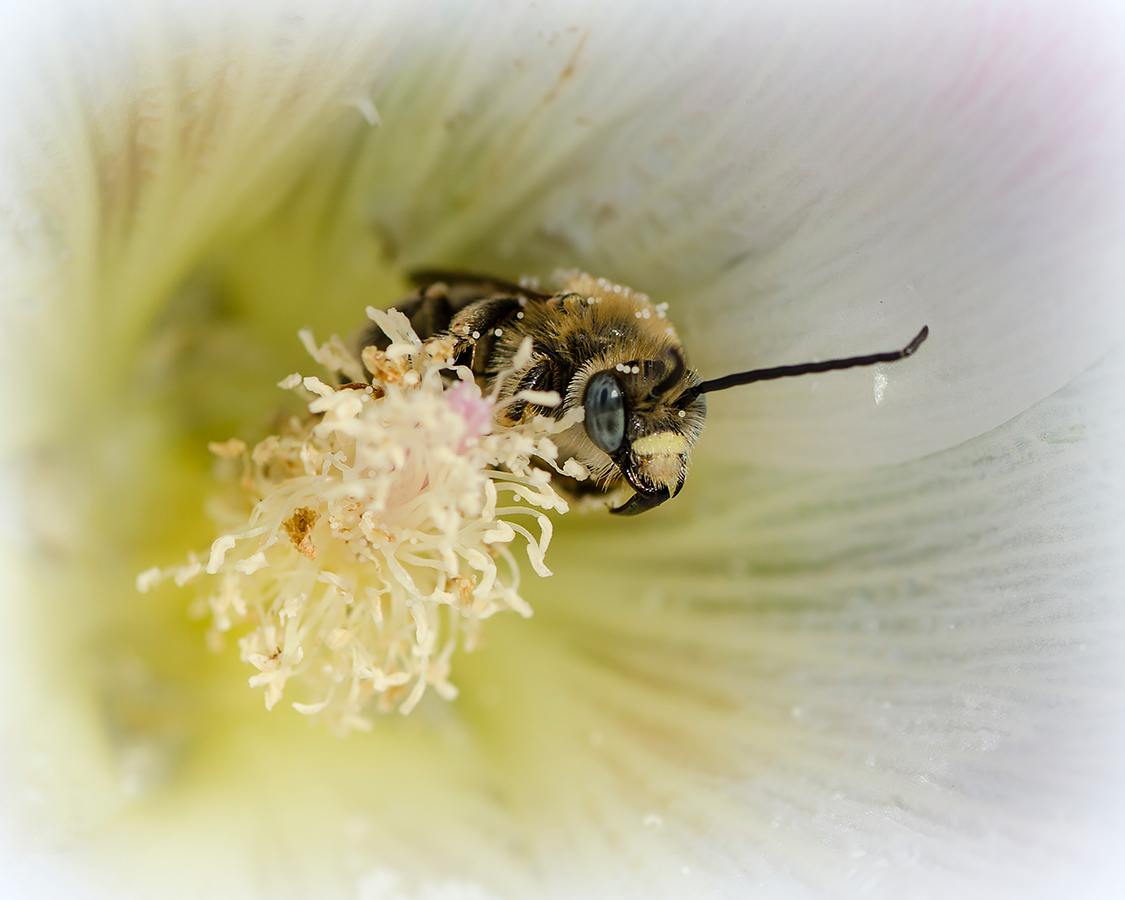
{"x":463,"y":288}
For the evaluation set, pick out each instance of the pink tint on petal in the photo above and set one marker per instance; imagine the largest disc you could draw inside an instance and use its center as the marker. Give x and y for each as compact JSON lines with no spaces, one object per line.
{"x":466,"y":401}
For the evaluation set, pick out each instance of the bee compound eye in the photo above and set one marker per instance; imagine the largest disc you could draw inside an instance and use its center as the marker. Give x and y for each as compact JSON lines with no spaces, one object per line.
{"x":605,"y":412}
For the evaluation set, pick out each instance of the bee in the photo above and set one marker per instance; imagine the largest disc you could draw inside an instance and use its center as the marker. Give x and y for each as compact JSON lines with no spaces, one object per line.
{"x":602,"y":347}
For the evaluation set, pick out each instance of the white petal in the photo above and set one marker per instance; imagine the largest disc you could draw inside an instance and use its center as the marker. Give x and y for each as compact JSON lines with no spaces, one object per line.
{"x":904,"y":682}
{"x":803,"y":182}
{"x":139,"y":140}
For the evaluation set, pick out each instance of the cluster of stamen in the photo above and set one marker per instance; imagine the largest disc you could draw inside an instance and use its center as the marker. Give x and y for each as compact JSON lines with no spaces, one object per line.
{"x":370,"y":539}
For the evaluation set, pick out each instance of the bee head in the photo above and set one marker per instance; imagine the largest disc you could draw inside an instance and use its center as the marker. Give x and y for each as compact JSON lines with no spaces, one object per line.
{"x":646,"y":415}
{"x":641,"y":415}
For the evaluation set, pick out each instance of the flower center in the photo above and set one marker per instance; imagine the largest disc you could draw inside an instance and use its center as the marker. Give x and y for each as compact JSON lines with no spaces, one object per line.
{"x":367,"y":541}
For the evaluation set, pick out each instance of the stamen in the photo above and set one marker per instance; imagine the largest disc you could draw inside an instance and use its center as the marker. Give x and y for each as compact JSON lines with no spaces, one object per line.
{"x":370,"y":543}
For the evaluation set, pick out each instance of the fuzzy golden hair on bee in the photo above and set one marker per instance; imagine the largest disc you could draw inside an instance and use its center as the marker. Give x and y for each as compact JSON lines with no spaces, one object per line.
{"x":603,"y":348}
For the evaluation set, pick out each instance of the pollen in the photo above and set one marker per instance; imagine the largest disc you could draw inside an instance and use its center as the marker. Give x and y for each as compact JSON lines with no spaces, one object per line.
{"x":299,"y":527}
{"x":364,"y":546}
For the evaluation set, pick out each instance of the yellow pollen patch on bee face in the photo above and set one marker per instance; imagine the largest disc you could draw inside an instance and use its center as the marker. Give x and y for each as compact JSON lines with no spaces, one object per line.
{"x":663,"y":443}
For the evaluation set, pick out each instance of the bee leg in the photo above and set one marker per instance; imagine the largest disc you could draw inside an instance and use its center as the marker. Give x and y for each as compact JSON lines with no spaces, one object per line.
{"x":475,"y":328}
{"x":540,"y":376}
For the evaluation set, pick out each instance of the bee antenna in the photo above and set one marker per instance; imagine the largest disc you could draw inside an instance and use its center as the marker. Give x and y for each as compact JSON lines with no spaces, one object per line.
{"x":851,"y":362}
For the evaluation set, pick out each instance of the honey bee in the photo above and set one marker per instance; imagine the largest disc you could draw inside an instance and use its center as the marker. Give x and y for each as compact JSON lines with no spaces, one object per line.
{"x":602,"y":347}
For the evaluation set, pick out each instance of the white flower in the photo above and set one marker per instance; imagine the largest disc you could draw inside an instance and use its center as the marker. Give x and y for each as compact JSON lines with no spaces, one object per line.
{"x":873,"y":648}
